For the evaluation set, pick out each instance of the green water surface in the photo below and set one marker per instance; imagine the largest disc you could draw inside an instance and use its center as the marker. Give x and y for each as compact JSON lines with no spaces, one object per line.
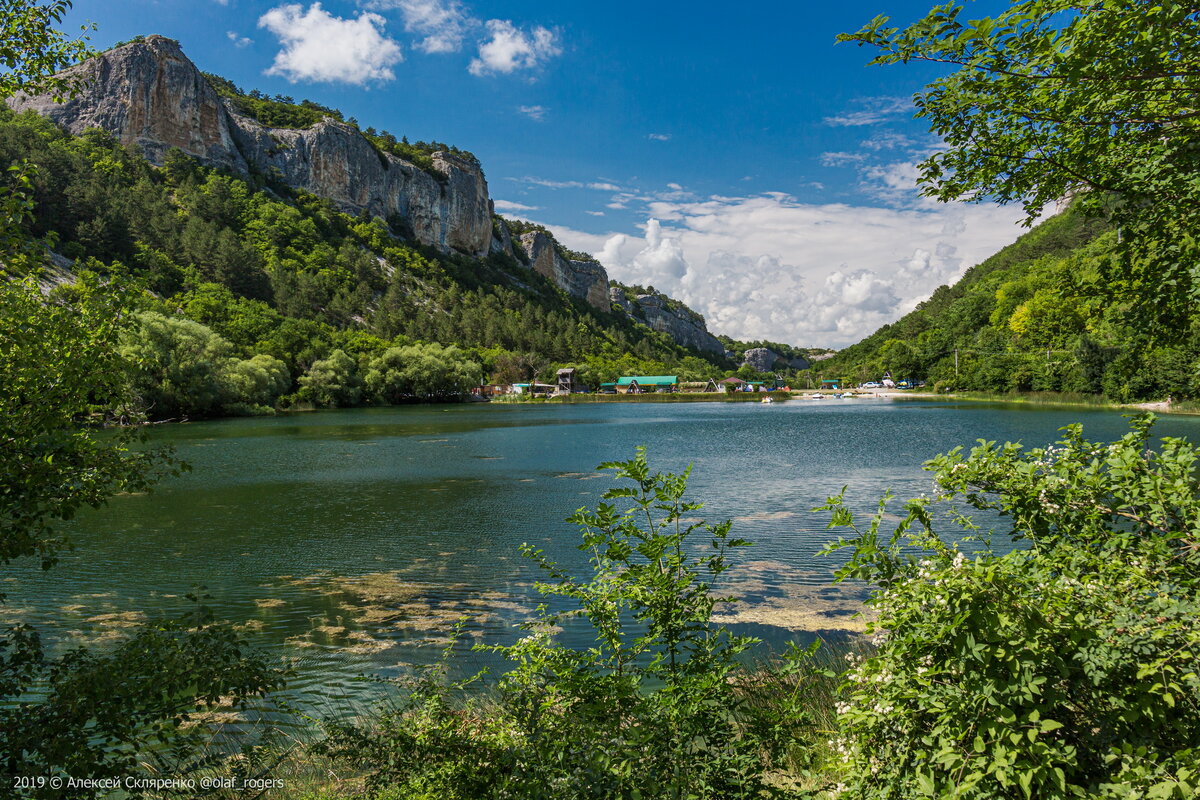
{"x":349,"y":541}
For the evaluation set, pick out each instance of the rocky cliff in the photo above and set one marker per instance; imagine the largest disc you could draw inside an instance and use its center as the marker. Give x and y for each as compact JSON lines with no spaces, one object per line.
{"x":584,"y":279}
{"x":760,"y":359}
{"x":149,"y":94}
{"x":655,"y":312}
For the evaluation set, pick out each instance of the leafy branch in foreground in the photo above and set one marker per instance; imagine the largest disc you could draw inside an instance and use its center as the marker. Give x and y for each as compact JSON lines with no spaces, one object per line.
{"x":1052,"y":99}
{"x":660,"y":705}
{"x":1068,"y":669}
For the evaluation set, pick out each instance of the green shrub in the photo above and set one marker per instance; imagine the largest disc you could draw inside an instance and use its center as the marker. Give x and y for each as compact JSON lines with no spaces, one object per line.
{"x":658,"y":707}
{"x":1067,"y":669}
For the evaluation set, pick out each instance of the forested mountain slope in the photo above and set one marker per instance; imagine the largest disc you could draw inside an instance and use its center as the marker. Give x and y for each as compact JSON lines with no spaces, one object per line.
{"x":240,"y":263}
{"x":1036,"y":316}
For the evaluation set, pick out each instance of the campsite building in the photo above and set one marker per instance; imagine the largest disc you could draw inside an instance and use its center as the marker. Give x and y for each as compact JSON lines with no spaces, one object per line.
{"x":640,"y":384}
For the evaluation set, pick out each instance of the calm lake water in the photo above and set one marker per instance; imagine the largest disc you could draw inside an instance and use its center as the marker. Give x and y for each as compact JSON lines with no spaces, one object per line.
{"x":351,"y":541}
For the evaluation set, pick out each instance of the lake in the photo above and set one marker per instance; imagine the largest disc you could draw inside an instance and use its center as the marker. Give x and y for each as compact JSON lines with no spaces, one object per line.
{"x":351,"y":541}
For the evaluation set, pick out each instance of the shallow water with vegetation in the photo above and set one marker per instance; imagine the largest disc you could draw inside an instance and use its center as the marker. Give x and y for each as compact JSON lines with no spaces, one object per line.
{"x":351,"y":541}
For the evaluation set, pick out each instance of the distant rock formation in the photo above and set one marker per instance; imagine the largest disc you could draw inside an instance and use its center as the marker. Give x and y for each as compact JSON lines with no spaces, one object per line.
{"x":654,"y":311}
{"x":760,"y":359}
{"x":584,"y":279}
{"x":150,"y":94}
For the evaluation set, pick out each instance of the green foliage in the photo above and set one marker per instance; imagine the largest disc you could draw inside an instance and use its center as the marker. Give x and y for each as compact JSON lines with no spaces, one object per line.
{"x":659,"y":706}
{"x":32,"y":51}
{"x":292,"y":277}
{"x":96,"y":713}
{"x":421,"y":372}
{"x":332,"y":382}
{"x":1064,"y":669}
{"x":1053,"y":99}
{"x":89,"y":713}
{"x":1034,"y":317}
{"x":277,"y":112}
{"x":181,"y":368}
{"x":61,"y":379}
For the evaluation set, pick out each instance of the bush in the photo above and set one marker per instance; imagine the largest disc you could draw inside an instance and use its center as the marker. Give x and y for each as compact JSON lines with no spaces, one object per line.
{"x":332,"y":382}
{"x":421,"y":371}
{"x":659,"y":707}
{"x":1067,"y":669}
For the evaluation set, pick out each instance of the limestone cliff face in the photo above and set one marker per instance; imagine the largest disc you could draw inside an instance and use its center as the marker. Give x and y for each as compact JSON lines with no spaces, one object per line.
{"x":333,"y":160}
{"x":760,"y":358}
{"x":653,"y":310}
{"x":584,"y":279}
{"x":149,"y":94}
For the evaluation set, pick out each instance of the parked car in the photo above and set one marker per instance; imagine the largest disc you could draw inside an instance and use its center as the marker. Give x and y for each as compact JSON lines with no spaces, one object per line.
{"x":872,"y":385}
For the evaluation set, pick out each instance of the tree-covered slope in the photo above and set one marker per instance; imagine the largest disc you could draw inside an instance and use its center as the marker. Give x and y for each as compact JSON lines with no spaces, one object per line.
{"x":1036,"y":316}
{"x":275,"y":272}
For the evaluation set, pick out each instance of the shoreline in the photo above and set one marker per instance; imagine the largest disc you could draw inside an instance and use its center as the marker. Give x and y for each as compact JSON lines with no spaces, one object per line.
{"x":1048,"y":399}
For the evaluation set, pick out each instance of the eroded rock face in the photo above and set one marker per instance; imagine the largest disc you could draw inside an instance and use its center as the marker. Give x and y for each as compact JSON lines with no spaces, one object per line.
{"x":678,"y":325}
{"x":333,"y":160}
{"x":760,"y":359}
{"x":149,"y":94}
{"x":653,"y":311}
{"x":584,"y":279}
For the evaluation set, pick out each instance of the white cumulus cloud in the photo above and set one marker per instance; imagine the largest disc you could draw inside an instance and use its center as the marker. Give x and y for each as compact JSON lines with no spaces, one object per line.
{"x":317,"y":46}
{"x":772,"y":267}
{"x":443,"y":23}
{"x":238,"y":41}
{"x":509,"y":48}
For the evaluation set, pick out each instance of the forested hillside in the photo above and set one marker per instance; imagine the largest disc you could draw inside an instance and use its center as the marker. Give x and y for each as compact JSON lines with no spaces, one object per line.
{"x":258,"y":295}
{"x":1037,"y":316}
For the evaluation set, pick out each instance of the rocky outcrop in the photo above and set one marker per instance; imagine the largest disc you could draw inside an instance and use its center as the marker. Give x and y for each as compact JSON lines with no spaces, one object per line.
{"x":332,"y":159}
{"x":760,"y":359}
{"x":655,"y":311}
{"x":149,"y":94}
{"x":584,"y":279}
{"x":502,"y":241}
{"x":799,"y":362}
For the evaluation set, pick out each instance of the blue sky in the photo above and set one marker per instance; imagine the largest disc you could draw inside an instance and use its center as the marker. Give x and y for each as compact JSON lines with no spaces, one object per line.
{"x":731,"y":156}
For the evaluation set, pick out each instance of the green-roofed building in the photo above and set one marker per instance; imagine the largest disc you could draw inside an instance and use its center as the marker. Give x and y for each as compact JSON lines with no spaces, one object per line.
{"x":637,"y":384}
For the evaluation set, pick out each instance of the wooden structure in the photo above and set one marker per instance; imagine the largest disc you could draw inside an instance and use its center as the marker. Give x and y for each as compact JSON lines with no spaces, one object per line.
{"x":699,"y":387}
{"x":567,"y":381}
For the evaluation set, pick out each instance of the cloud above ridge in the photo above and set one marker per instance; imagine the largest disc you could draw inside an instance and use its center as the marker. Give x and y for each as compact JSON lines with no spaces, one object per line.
{"x":772,"y":267}
{"x":319,"y":47}
{"x":509,"y":48}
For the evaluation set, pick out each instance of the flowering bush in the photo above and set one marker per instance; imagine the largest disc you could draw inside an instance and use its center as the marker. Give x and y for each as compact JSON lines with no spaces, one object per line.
{"x":1067,"y":668}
